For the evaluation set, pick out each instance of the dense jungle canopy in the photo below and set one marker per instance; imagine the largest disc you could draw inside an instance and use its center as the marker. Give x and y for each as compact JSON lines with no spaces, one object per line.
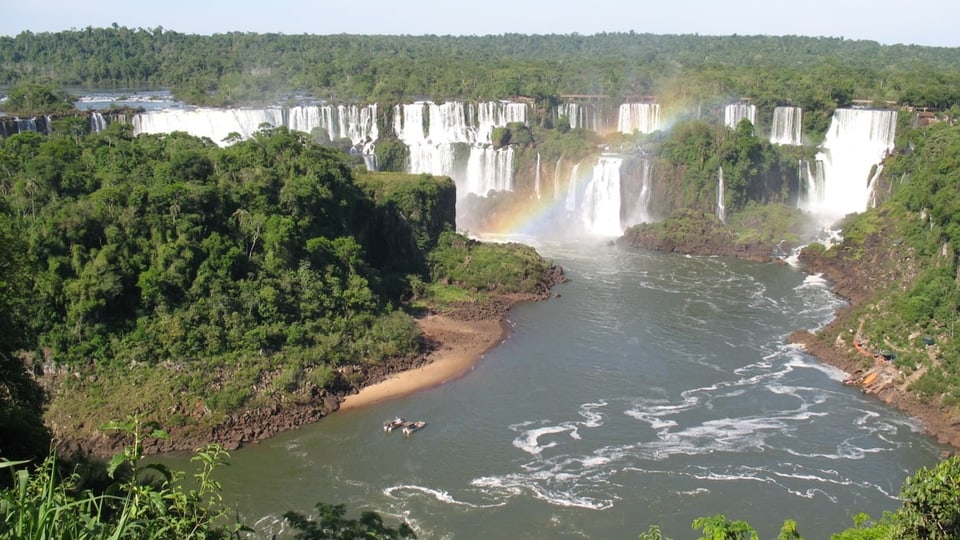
{"x":235,"y":68}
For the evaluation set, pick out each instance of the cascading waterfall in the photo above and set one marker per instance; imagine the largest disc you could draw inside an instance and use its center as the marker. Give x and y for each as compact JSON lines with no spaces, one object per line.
{"x":638,"y":117}
{"x":438,"y":136}
{"x":589,"y":116}
{"x":600,"y":211}
{"x":858,"y":140}
{"x":492,"y":115}
{"x":340,"y":122}
{"x":786,"y":126}
{"x":576,"y":114}
{"x":721,"y":206}
{"x":489,"y":170}
{"x":359,"y":124}
{"x":536,"y":178}
{"x":735,"y":112}
{"x":811,"y":184}
{"x":571,"y":201}
{"x":556,"y":180}
{"x":214,"y":124}
{"x":97,"y":122}
{"x":641,"y":211}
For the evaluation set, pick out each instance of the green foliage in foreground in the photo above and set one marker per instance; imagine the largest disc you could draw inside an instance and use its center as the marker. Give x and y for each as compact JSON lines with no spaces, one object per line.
{"x":43,"y":505}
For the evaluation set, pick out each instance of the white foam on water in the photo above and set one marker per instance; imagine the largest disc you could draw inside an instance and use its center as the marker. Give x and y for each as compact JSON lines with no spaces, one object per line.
{"x":529,"y":441}
{"x":592,"y":417}
{"x":439,"y":495}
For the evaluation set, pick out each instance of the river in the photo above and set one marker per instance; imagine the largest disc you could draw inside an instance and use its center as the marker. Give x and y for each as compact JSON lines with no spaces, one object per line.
{"x":656,"y":389}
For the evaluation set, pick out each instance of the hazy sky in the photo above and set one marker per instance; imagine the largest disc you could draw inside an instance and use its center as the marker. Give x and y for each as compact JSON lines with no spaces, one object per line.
{"x":923,"y":22}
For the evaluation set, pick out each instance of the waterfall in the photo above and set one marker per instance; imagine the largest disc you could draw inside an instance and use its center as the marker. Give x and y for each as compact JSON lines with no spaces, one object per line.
{"x":786,"y":126}
{"x":454,"y":139}
{"x":585,"y":116}
{"x":857,"y":140}
{"x":97,"y":122}
{"x":641,"y":212}
{"x":601,"y":200}
{"x":721,"y":207}
{"x":571,"y":202}
{"x":536,"y":178}
{"x":359,"y":124}
{"x":638,"y":117}
{"x":735,"y":112}
{"x":576,"y":114}
{"x":489,"y":170}
{"x":498,"y":114}
{"x":340,"y":122}
{"x":214,"y":124}
{"x":811,"y":184}
{"x":556,"y":180}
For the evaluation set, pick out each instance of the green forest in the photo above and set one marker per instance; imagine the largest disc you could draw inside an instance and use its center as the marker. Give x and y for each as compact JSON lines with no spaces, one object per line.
{"x":240,"y":277}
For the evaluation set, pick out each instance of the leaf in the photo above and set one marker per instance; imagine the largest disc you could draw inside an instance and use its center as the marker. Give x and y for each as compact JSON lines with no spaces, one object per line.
{"x":162,"y":469}
{"x":115,"y":462}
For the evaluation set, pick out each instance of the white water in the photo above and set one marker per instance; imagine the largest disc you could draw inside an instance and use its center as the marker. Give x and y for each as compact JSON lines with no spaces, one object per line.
{"x":721,"y":207}
{"x":340,"y":122}
{"x":437,"y":134}
{"x":359,"y":124}
{"x":641,"y":211}
{"x":787,"y":126}
{"x":600,"y":211}
{"x":571,"y":202}
{"x":536,"y":178}
{"x":585,"y":116}
{"x":857,"y":140}
{"x":97,"y":122}
{"x":556,"y":180}
{"x":735,"y":112}
{"x":638,"y":117}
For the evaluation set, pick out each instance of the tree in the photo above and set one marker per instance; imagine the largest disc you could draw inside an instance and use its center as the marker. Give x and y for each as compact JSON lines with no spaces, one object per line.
{"x":718,"y":527}
{"x":931,"y":502}
{"x":333,"y":525}
{"x":22,"y":433}
{"x":35,"y":98}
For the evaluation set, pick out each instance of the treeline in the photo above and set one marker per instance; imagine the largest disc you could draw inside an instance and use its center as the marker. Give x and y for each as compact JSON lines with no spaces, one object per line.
{"x":235,"y":68}
{"x":218,"y":278}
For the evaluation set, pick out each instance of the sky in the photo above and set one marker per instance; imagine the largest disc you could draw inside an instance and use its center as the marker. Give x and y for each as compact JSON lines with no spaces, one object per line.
{"x":920,"y":22}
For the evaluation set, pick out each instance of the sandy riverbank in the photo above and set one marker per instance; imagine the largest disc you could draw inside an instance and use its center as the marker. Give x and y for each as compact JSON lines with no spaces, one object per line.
{"x":463,"y":343}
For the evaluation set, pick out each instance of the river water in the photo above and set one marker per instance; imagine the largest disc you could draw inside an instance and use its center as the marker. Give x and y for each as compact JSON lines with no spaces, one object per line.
{"x":656,"y":389}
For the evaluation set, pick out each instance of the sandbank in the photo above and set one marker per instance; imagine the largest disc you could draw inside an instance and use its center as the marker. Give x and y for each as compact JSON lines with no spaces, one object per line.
{"x":462,"y":344}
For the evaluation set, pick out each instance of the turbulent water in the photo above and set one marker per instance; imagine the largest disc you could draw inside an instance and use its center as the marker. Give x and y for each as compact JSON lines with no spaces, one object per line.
{"x":656,"y":389}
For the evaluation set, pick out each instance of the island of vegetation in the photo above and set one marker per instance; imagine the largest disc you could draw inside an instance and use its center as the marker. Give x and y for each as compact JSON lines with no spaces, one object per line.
{"x":225,"y":293}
